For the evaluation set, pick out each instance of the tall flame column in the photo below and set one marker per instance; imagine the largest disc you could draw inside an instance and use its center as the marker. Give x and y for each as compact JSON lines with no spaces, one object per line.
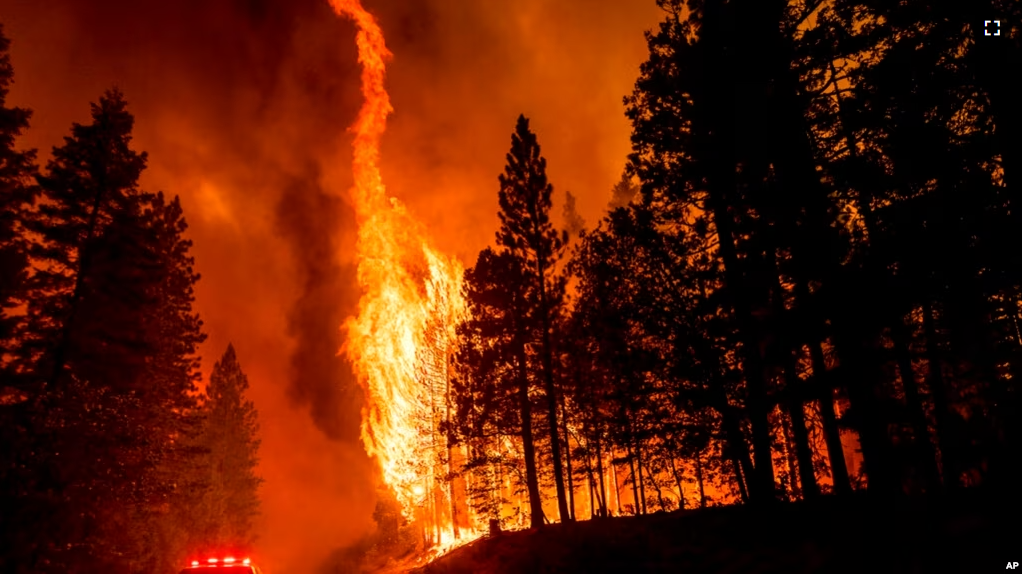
{"x":395,"y":343}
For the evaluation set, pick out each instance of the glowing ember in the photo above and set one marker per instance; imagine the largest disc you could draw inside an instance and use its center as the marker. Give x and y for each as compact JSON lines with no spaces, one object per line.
{"x":402,"y":338}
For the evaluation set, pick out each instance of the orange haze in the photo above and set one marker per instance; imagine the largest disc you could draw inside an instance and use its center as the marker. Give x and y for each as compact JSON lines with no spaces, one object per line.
{"x":243,"y":106}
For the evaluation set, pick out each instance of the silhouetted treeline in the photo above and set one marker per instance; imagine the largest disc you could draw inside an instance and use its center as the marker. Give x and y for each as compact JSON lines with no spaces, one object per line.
{"x":111,"y":459}
{"x":808,"y":281}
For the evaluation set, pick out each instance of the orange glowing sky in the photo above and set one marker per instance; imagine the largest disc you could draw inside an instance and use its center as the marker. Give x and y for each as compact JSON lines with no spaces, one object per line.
{"x":243,"y":106}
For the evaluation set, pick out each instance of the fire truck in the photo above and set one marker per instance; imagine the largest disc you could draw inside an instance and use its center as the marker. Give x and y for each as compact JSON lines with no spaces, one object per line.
{"x":225,"y":565}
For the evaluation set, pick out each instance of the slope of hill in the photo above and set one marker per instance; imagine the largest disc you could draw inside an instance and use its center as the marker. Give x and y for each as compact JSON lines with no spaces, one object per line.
{"x":971,"y":532}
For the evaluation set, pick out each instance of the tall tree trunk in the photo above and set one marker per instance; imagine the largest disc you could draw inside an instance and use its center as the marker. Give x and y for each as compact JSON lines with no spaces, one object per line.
{"x":599,"y":466}
{"x":567,"y":461}
{"x":431,"y":489}
{"x":858,"y":366}
{"x":796,"y":169}
{"x":680,"y":483}
{"x":1004,"y":468}
{"x":656,"y":485}
{"x":920,"y":428}
{"x":617,"y":486}
{"x":635,"y":479}
{"x":816,"y":248}
{"x":796,"y":401}
{"x":498,"y":478}
{"x":740,"y":479}
{"x":528,"y":448}
{"x":642,"y":482}
{"x":551,"y":393}
{"x":739,"y":450}
{"x":592,"y":493}
{"x":794,"y":469}
{"x":831,"y":431}
{"x":699,"y":480}
{"x":437,"y":511}
{"x":803,"y":451}
{"x":450,"y":447}
{"x":737,"y":446}
{"x":590,"y":479}
{"x":721,"y":185}
{"x":871,"y":436}
{"x":935,"y":381}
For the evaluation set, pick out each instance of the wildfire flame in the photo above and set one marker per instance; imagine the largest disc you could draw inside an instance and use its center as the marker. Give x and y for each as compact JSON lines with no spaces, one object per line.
{"x":411,"y":301}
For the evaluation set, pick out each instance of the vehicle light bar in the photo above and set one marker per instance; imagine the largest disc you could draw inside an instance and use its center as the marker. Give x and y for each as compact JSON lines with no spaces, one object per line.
{"x":228,"y":561}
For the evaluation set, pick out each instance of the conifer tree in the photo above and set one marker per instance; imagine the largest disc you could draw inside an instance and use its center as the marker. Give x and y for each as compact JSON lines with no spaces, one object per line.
{"x":110,"y":347}
{"x":528,"y":235}
{"x":230,"y":437}
{"x":91,"y":197}
{"x":573,"y":221}
{"x":623,"y":192}
{"x":17,"y":191}
{"x":493,"y":383}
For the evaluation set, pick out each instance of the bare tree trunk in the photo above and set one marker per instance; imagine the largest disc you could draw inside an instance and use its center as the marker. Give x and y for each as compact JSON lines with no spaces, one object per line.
{"x":431,"y":502}
{"x":425,"y":536}
{"x":567,"y":461}
{"x":590,"y":479}
{"x":803,"y":451}
{"x":721,"y":183}
{"x":739,"y":456}
{"x":699,"y":480}
{"x":642,"y":482}
{"x":739,"y":478}
{"x":592,"y":502}
{"x":935,"y":380}
{"x":921,"y":429}
{"x":551,"y":394}
{"x":789,"y":457}
{"x":635,"y":479}
{"x":450,"y":448}
{"x":831,"y":431}
{"x":796,"y":432}
{"x":617,"y":487}
{"x":437,"y":517}
{"x":656,"y":486}
{"x":678,"y":481}
{"x":528,"y":448}
{"x":599,"y":466}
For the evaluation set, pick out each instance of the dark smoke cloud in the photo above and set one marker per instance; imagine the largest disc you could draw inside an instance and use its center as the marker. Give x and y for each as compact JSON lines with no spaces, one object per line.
{"x":309,"y":220}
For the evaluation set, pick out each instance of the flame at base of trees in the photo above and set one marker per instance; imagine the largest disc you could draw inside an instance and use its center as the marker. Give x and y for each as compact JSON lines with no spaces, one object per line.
{"x":402,"y":339}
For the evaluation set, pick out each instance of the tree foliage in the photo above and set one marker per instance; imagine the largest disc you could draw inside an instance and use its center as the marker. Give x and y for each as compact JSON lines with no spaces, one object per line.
{"x":104,"y":458}
{"x":229,"y":437}
{"x":813,"y":288}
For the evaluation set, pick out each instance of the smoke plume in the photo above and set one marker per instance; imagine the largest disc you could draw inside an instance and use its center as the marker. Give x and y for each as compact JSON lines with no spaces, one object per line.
{"x":321,"y":379}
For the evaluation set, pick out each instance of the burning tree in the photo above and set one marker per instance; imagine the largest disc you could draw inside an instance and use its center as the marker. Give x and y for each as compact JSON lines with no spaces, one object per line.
{"x":400,"y":343}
